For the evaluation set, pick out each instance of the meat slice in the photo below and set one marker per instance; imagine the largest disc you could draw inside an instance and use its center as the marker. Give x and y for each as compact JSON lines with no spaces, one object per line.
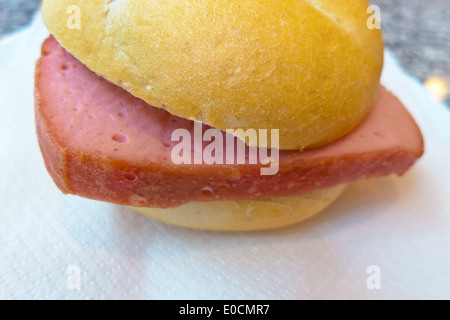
{"x":100,"y":142}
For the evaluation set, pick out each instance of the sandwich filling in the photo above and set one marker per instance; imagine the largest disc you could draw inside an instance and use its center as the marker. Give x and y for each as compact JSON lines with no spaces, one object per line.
{"x":101,"y":142}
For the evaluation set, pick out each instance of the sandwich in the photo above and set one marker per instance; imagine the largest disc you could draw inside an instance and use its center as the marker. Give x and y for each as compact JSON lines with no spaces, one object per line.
{"x":217,"y":115}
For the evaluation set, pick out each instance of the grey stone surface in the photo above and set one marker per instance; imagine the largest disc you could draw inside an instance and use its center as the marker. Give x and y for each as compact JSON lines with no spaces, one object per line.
{"x":16,"y":13}
{"x":417,"y":31}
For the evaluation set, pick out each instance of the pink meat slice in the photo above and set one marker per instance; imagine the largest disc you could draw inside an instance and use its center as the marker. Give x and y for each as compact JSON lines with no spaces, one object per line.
{"x":100,"y":142}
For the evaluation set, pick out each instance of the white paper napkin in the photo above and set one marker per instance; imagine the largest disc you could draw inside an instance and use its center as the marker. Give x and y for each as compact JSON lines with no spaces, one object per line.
{"x":56,"y":246}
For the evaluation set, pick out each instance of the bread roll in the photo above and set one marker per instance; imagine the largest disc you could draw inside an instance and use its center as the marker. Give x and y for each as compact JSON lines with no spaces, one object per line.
{"x":309,"y":68}
{"x":246,"y":215}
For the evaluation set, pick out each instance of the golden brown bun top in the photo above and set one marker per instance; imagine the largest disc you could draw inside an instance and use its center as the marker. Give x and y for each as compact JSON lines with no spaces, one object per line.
{"x":309,"y":68}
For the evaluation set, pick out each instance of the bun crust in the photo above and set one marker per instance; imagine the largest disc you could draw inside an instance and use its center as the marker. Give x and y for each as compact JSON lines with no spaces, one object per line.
{"x":246,"y":215}
{"x":309,"y":68}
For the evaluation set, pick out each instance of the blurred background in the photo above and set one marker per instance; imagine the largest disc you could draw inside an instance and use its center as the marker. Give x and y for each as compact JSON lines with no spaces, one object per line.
{"x":417,"y":31}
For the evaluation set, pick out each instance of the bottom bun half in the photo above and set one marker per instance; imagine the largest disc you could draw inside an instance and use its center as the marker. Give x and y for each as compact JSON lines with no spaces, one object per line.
{"x":246,"y":215}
